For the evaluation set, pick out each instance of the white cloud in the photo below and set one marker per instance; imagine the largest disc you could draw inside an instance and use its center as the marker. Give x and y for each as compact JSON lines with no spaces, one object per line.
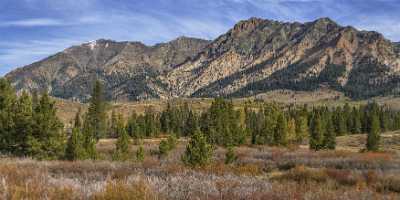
{"x":33,"y":22}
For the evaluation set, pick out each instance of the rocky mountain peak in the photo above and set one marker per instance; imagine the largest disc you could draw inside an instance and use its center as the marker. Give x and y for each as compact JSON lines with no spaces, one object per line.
{"x":247,"y":25}
{"x":325,"y":21}
{"x":255,"y":56}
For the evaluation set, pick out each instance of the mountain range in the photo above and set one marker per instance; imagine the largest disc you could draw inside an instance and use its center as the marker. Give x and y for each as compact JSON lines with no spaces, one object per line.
{"x":255,"y":56}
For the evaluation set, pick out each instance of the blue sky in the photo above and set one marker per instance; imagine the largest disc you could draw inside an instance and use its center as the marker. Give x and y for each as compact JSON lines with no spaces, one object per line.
{"x":31,"y":30}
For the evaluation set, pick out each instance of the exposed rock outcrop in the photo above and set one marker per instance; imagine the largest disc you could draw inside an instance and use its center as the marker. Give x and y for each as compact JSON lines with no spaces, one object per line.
{"x":255,"y":56}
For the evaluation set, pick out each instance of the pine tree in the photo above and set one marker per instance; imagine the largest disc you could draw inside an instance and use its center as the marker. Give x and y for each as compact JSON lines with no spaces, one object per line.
{"x":396,"y":121}
{"x":7,"y":100}
{"x":198,"y":151}
{"x":23,"y":122}
{"x":35,"y":99}
{"x":165,"y":119}
{"x":222,"y":124}
{"x":330,"y":136}
{"x":122,"y":145}
{"x":96,"y":119}
{"x":356,"y":126}
{"x":75,"y":149}
{"x":89,"y":140}
{"x":172,"y":141}
{"x":281,"y":131}
{"x":163,"y":148}
{"x":251,"y":124}
{"x":95,"y":123}
{"x":341,"y":123}
{"x":230,"y":156}
{"x":133,"y":127}
{"x":48,"y":139}
{"x":151,"y":123}
{"x":291,"y":131}
{"x":348,"y":119}
{"x":78,"y":120}
{"x":316,"y":132}
{"x":140,"y":154}
{"x":113,"y":125}
{"x":301,"y":128}
{"x":384,"y":119}
{"x":373,"y":137}
{"x":268,"y":130}
{"x":191,"y":124}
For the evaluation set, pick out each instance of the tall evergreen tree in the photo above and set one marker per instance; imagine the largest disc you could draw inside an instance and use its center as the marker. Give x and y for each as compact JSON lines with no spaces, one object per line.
{"x":89,"y":139}
{"x":7,"y":100}
{"x":384,"y":119}
{"x":151,"y":123}
{"x":341,"y":123}
{"x":122,"y":145}
{"x":133,"y":128}
{"x":191,"y":124}
{"x":96,"y":119}
{"x":316,"y":132}
{"x":373,"y":137}
{"x":23,"y":122}
{"x":291,"y":131}
{"x":267,"y":133}
{"x":222,"y":124}
{"x":281,"y":131}
{"x":113,"y":125}
{"x":75,"y":149}
{"x":301,"y":128}
{"x":48,"y":139}
{"x":356,"y":122}
{"x":330,"y":135}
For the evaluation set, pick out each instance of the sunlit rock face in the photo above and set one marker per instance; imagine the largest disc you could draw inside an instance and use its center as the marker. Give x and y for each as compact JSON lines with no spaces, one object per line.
{"x":255,"y":56}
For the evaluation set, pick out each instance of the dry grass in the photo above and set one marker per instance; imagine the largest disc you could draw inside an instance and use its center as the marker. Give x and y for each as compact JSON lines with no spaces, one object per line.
{"x":260,"y":172}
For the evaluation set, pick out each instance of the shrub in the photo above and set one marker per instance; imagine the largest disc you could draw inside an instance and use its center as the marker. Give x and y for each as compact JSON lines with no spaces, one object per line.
{"x":343,"y":177}
{"x":140,"y":154}
{"x":163,"y":148}
{"x":198,"y":151}
{"x":172,"y":141}
{"x":123,"y":191}
{"x":303,"y":174}
{"x":230,"y":156}
{"x":391,"y":184}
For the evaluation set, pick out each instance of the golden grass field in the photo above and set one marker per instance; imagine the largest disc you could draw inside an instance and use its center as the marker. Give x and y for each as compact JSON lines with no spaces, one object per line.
{"x":260,"y":172}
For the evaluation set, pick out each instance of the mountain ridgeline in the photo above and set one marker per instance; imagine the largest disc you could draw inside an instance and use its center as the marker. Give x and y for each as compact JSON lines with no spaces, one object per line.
{"x":254,"y":57}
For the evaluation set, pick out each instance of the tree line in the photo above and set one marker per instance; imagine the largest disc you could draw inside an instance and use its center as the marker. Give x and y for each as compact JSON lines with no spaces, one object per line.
{"x":29,"y":126}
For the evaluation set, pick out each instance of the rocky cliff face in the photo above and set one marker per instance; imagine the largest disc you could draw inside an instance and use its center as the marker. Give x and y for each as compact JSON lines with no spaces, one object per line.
{"x":255,"y":56}
{"x":127,"y":69}
{"x":259,"y":55}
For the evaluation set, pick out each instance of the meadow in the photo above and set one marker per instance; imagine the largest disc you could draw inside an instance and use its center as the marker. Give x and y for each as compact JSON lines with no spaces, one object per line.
{"x":260,"y":172}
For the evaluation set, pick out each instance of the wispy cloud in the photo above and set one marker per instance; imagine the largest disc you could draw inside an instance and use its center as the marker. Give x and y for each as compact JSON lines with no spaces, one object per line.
{"x":16,"y":54}
{"x":33,"y":22}
{"x":43,"y":22}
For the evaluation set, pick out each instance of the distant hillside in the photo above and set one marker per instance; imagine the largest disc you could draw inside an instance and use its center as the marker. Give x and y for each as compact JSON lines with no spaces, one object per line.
{"x":254,"y":57}
{"x":127,"y":69}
